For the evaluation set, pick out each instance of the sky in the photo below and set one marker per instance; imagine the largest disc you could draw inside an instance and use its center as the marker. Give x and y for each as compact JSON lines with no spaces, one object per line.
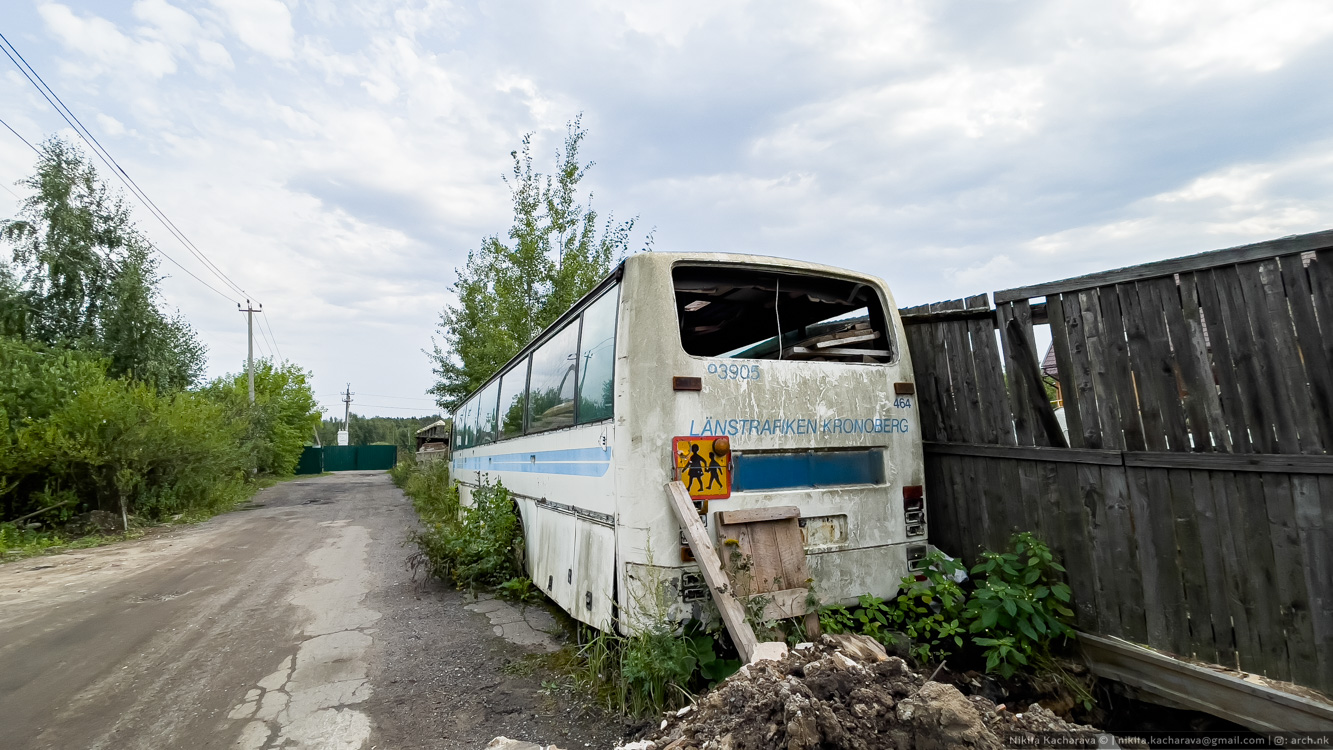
{"x":337,"y":159}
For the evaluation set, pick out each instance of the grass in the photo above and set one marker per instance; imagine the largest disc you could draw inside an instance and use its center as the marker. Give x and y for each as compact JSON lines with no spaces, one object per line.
{"x":21,"y":542}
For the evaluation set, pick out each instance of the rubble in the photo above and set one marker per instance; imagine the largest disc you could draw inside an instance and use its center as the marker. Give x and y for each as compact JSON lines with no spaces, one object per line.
{"x":845,"y":692}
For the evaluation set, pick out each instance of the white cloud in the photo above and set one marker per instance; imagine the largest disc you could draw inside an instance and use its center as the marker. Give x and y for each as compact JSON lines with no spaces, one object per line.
{"x":100,"y":40}
{"x":262,"y":25}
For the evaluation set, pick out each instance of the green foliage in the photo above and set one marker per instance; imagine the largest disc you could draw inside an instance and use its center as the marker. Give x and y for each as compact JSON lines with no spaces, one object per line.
{"x":399,"y":431}
{"x":508,"y":292}
{"x":478,"y":545}
{"x":1020,"y":604}
{"x":658,"y":669}
{"x":87,"y":279}
{"x":97,"y":405}
{"x":1013,"y":616}
{"x":280,"y":422}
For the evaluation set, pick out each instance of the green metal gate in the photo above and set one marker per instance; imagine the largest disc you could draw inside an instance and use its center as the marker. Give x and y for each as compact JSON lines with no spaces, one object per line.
{"x":360,"y":457}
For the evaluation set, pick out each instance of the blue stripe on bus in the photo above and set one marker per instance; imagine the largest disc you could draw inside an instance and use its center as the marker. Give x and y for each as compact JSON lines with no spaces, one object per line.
{"x":755,"y":472}
{"x":579,"y":462}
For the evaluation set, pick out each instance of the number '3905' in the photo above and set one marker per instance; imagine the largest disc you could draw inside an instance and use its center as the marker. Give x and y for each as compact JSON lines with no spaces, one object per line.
{"x":735,"y":371}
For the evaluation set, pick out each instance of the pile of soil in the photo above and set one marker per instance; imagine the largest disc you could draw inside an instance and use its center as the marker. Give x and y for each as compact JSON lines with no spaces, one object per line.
{"x":845,"y":692}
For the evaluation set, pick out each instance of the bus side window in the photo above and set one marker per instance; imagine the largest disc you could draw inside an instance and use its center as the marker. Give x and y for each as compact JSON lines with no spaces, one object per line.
{"x":551,"y":386}
{"x":513,"y":387}
{"x":597,"y":358}
{"x":486,"y":414}
{"x":465,"y":425}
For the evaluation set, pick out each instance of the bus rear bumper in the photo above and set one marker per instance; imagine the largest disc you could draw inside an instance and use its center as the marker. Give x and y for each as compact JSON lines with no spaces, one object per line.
{"x":841,"y":576}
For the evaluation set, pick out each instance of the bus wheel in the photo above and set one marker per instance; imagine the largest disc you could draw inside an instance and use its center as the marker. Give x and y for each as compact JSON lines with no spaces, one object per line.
{"x":519,"y":551}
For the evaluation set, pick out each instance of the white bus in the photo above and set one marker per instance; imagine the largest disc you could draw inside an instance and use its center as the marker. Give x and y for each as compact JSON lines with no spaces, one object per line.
{"x":579,"y":427}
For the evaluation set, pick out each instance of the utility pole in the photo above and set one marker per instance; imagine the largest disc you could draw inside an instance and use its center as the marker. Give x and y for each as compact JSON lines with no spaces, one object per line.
{"x":344,"y":433}
{"x":250,"y":311}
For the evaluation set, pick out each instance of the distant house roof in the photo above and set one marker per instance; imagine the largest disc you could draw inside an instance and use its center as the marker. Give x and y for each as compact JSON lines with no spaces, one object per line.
{"x":432,"y":425}
{"x":1048,"y":366}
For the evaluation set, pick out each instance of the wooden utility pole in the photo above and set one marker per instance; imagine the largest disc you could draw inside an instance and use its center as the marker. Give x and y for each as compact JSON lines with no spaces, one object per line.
{"x":250,"y":311}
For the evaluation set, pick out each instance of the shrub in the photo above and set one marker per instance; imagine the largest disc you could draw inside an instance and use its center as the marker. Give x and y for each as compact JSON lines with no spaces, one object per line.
{"x":1016,"y":611}
{"x":479,"y":545}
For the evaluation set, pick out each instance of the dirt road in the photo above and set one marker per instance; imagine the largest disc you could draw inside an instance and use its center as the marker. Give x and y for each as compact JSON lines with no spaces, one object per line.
{"x":294,"y":623}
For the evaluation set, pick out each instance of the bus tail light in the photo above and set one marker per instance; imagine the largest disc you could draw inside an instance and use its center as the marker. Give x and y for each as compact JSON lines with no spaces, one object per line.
{"x":914,"y":509}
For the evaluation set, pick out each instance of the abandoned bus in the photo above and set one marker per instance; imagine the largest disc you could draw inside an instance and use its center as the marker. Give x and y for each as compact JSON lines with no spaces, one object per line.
{"x":803,"y":368}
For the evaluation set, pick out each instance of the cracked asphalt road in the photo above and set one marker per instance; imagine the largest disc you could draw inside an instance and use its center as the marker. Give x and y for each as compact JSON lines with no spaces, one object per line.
{"x":291,"y":624}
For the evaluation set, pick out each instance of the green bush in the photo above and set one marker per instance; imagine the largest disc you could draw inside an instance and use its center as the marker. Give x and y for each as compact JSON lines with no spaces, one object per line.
{"x":1015,"y":612}
{"x":479,"y":545}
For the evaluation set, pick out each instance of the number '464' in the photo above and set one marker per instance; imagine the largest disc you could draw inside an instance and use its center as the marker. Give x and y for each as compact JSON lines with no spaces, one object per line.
{"x":902,"y":402}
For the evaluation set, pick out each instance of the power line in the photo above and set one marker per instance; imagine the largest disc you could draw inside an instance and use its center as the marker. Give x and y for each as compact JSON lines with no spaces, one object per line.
{"x":399,"y":408}
{"x":151,"y":244}
{"x":21,"y":138}
{"x":264,"y":317}
{"x":86,"y":135}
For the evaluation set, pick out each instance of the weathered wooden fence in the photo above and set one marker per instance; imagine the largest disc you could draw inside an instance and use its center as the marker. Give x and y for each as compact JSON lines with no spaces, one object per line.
{"x":1193,"y":499}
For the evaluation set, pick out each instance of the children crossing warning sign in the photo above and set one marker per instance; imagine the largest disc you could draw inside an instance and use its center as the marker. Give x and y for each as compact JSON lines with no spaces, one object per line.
{"x":703,"y":465}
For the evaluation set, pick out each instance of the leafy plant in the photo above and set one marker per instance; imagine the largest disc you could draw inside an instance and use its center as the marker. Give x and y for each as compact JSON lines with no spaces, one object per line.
{"x":1017,"y":609}
{"x":1020,"y":605}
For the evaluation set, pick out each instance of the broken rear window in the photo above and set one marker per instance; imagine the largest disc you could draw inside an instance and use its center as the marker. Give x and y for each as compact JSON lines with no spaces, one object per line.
{"x":738,"y":313}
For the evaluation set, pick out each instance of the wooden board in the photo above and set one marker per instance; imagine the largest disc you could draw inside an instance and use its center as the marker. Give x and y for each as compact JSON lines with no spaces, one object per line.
{"x":775,"y":513}
{"x":1249,"y":703}
{"x":767,"y":555}
{"x":733,"y":614}
{"x":1244,"y":253}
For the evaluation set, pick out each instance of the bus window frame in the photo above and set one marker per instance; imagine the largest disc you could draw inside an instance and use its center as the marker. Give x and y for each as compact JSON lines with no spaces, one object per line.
{"x":574,"y":315}
{"x":890,"y":330}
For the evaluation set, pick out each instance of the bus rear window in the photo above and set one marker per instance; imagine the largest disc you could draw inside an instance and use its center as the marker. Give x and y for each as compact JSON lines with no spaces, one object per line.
{"x":750,"y":313}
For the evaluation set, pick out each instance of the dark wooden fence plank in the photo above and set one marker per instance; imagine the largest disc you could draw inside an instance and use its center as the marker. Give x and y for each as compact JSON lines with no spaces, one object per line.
{"x":957,"y":418}
{"x":1261,"y":567}
{"x":1254,"y":392}
{"x":1059,"y":311}
{"x":995,"y":409}
{"x":1293,"y":600}
{"x":1214,"y":569}
{"x":1180,"y":491}
{"x":943,"y":523}
{"x":1199,"y":392}
{"x":1029,"y":377}
{"x":1100,"y":537}
{"x":1217,"y":384}
{"x":1137,"y":309}
{"x":925,"y":369}
{"x":1321,"y":286}
{"x":1315,"y":515}
{"x":1098,"y":339}
{"x":1287,"y":366}
{"x":1023,"y":414}
{"x":1120,"y":378}
{"x":1124,"y":551}
{"x":1318,"y":368}
{"x":1154,"y":296}
{"x":1234,"y":406}
{"x":1275,"y":395}
{"x":1158,"y":586}
{"x":1242,"y":600}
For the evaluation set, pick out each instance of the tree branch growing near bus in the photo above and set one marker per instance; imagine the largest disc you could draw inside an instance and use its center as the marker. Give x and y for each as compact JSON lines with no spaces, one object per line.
{"x":509,"y":291}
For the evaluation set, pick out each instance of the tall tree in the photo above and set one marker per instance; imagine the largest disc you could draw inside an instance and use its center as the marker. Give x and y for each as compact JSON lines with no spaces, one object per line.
{"x":86,"y":278}
{"x":509,"y":291}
